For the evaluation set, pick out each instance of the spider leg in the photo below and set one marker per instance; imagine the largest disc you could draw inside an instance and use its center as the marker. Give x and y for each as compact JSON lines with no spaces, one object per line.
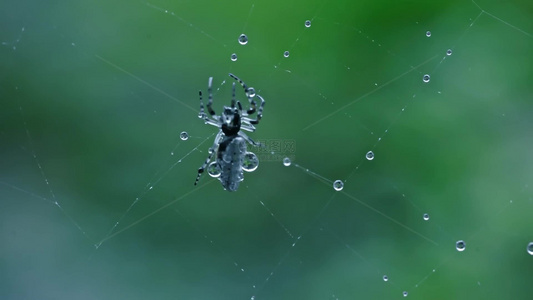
{"x":211,"y":151}
{"x":249,"y":140}
{"x":250,"y":110}
{"x":233,"y":98}
{"x":259,"y":112}
{"x":248,"y":127}
{"x":210,"y":91}
{"x":203,"y":115}
{"x":245,"y":87}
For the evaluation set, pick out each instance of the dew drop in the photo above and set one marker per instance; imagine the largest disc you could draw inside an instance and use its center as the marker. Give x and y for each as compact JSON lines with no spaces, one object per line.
{"x":184,"y":136}
{"x":243,"y":39}
{"x":460,"y":246}
{"x":214,"y":169}
{"x":233,"y":57}
{"x":286,"y":53}
{"x":286,"y":161}
{"x":251,"y":162}
{"x":426,"y":78}
{"x":251,"y":92}
{"x":370,"y":155}
{"x":385,"y":278}
{"x":426,"y":217}
{"x":530,"y":248}
{"x":428,"y":33}
{"x":308,"y":23}
{"x":449,"y":52}
{"x":338,"y":185}
{"x":405,"y":293}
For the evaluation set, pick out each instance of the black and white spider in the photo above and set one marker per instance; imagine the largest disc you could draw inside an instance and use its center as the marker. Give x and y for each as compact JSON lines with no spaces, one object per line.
{"x":230,"y":143}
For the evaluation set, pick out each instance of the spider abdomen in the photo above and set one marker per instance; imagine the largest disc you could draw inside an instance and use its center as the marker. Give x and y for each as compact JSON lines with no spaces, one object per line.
{"x":230,"y":158}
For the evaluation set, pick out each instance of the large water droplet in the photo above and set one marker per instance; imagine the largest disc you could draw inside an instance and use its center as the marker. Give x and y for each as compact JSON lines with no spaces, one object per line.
{"x":428,"y":33}
{"x":449,"y":52}
{"x":385,"y":278}
{"x":251,"y":162}
{"x":286,"y":161}
{"x":286,"y":53}
{"x":426,"y":217}
{"x":338,"y":185}
{"x":370,"y":155}
{"x":233,"y":57}
{"x":214,"y":169}
{"x":308,"y":23}
{"x":530,"y":248}
{"x":184,"y":136}
{"x":426,"y":78}
{"x":460,"y":245}
{"x":243,"y":39}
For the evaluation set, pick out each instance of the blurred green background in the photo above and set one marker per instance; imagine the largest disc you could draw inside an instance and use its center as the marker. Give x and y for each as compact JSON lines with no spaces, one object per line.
{"x":97,"y":197}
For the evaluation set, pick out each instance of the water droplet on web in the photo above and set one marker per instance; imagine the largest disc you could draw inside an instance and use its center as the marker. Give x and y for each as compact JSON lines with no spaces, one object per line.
{"x":251,"y":92}
{"x":370,"y":155}
{"x":251,"y":162}
{"x":426,"y":78}
{"x":233,"y":57}
{"x":426,"y":217}
{"x":151,"y":187}
{"x":449,"y":52}
{"x":308,"y":23}
{"x":286,"y":53}
{"x":530,"y":248}
{"x":428,"y":33}
{"x":214,"y":169}
{"x":286,"y":161}
{"x":460,"y":246}
{"x":338,"y":185}
{"x":243,"y":39}
{"x":385,"y":278}
{"x":405,"y":293}
{"x":184,"y":136}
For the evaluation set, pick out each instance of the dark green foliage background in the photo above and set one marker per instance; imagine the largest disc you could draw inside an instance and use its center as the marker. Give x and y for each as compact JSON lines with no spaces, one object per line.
{"x":98,"y":92}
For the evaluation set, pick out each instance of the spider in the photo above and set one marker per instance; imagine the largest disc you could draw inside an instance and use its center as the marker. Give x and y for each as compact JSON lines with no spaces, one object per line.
{"x":230,"y":142}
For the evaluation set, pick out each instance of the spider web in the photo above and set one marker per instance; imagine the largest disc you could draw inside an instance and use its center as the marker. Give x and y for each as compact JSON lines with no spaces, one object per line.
{"x":97,"y":186}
